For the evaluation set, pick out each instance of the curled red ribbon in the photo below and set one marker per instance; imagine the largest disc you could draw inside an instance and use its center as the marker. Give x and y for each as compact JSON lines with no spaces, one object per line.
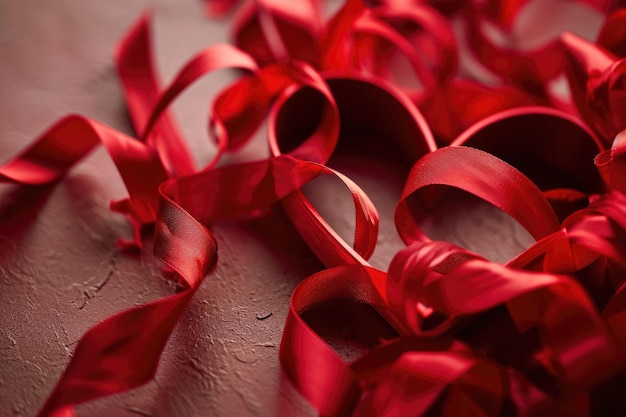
{"x":321,"y":83}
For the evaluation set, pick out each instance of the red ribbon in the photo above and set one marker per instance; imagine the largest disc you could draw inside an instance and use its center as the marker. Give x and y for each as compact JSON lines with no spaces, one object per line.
{"x":321,"y":83}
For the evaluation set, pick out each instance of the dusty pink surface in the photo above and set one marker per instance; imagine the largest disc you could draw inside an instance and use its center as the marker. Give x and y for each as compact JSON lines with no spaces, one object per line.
{"x":60,"y":272}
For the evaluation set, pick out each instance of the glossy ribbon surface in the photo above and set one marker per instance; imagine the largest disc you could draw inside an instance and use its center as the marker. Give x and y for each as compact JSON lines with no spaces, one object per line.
{"x":556,"y":165}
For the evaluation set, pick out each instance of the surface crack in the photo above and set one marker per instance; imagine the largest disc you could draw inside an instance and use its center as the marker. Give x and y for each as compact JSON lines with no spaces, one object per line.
{"x":139,"y":411}
{"x":91,"y":292}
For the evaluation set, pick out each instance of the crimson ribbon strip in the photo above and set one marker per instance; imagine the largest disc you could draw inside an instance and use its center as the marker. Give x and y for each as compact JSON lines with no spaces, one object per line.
{"x":358,"y":33}
{"x":432,"y":288}
{"x":140,"y":85}
{"x":529,"y":70}
{"x":571,"y":357}
{"x":598,"y":337}
{"x":483,"y":175}
{"x":122,"y":352}
{"x":596,"y":80}
{"x":405,"y":377}
{"x":360,"y":100}
{"x":55,"y":151}
{"x":99,"y":365}
{"x":239,"y":109}
{"x":452,"y":281}
{"x":612,"y":36}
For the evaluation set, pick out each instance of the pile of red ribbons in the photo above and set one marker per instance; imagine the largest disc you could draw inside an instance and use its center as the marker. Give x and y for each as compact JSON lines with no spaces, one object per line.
{"x":553,"y":162}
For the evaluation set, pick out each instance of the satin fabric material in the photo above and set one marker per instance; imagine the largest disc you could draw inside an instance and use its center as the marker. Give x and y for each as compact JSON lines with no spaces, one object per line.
{"x":572,"y":333}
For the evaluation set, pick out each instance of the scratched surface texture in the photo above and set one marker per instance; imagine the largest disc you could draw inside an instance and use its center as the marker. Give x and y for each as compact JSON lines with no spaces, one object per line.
{"x":60,"y":272}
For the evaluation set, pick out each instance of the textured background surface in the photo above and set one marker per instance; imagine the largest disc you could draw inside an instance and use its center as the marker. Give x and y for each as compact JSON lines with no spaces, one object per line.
{"x":60,"y":272}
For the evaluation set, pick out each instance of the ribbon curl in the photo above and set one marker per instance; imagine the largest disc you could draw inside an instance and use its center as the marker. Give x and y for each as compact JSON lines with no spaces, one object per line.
{"x":320,"y":82}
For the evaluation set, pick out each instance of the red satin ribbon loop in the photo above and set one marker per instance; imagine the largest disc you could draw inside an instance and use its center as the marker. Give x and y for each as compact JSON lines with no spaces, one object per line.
{"x":478,"y":173}
{"x":408,"y":376}
{"x":560,"y":305}
{"x":359,"y":101}
{"x":141,"y":87}
{"x":456,"y":284}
